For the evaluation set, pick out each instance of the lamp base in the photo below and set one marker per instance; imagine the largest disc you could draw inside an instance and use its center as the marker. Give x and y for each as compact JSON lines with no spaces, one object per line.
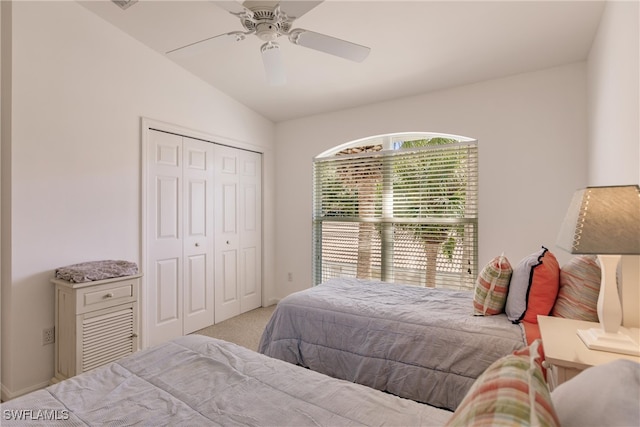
{"x":597,"y":339}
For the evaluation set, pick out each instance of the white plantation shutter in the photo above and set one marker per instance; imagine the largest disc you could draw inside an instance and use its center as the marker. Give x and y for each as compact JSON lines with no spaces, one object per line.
{"x":405,"y":215}
{"x":107,"y":337}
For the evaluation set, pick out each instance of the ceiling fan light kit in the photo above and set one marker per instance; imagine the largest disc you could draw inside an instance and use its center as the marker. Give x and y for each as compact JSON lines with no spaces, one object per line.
{"x":266,"y":32}
{"x":273,"y":64}
{"x":270,"y":20}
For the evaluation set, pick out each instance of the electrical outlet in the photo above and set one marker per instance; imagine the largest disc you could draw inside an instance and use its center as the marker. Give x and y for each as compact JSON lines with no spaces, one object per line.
{"x":290,"y":277}
{"x":48,"y":336}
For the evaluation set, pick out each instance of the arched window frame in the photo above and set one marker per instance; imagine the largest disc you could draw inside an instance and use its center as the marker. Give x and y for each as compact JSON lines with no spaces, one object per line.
{"x":387,"y":207}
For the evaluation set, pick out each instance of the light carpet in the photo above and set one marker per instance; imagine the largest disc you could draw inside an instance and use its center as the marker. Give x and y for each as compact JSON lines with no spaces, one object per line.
{"x":244,"y":329}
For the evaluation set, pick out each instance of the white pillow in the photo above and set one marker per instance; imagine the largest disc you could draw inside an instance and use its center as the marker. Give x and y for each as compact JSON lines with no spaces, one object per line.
{"x":604,"y":395}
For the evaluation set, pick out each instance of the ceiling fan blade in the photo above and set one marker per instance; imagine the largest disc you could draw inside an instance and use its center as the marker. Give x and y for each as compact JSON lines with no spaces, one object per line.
{"x":295,"y":9}
{"x":330,"y":45}
{"x":273,"y":64}
{"x":232,"y":6}
{"x":197,"y":47}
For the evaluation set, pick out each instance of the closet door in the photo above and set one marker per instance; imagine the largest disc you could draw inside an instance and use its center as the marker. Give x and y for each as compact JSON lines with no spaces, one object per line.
{"x":250,"y":231}
{"x":238,"y":231}
{"x":180,"y":236}
{"x":164,"y":237}
{"x":198,"y":235}
{"x":226,"y":184}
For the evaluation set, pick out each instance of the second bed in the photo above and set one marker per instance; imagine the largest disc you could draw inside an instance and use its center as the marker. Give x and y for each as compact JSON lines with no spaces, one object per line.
{"x":418,"y":343}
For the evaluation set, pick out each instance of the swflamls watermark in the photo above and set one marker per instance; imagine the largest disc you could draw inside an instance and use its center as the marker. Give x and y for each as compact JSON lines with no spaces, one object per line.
{"x":35,"y":414}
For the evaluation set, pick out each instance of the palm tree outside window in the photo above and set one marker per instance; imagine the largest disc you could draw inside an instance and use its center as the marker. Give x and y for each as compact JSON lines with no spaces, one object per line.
{"x":400,"y":208}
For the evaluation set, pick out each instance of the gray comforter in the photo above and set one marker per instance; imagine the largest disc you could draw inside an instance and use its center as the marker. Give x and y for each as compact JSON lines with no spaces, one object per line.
{"x":419,"y":343}
{"x":200,"y":381}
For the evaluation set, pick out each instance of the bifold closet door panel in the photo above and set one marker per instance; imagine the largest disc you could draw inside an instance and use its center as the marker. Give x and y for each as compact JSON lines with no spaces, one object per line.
{"x":180,"y":297}
{"x":250,"y":236}
{"x":164,"y":275}
{"x":198,"y":293}
{"x":238,"y":231}
{"x":226,"y":194}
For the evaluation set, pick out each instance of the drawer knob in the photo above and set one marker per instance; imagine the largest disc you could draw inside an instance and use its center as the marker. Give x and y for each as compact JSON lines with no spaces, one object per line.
{"x":197,"y":245}
{"x":109,"y":295}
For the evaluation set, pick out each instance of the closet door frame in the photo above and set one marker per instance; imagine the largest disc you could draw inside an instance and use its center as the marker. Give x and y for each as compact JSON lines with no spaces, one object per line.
{"x":148,"y":125}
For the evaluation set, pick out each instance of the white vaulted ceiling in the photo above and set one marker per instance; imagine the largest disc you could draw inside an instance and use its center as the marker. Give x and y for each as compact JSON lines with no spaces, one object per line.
{"x":416,"y":47}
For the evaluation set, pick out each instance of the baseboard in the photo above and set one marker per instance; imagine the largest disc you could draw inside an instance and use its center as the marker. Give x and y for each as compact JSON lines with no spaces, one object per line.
{"x":272,"y":301}
{"x":6,"y":394}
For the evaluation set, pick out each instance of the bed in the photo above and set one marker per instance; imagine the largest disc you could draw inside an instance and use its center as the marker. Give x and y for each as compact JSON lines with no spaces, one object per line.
{"x":418,"y":343}
{"x":197,"y":380}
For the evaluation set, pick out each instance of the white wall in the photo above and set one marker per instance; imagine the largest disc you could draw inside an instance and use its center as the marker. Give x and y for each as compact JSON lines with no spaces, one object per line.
{"x":532,"y":133}
{"x":80,"y":88}
{"x":614,"y":120}
{"x":614,"y":106}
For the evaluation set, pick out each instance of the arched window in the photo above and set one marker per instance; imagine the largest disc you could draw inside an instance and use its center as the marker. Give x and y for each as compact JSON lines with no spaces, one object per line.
{"x":400,"y":208}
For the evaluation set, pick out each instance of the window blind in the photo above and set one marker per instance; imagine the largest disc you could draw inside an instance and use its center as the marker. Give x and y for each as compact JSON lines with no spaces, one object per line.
{"x":405,"y":215}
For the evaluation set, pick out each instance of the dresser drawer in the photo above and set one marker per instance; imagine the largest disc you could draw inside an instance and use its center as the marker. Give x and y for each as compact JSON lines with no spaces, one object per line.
{"x":107,"y":295}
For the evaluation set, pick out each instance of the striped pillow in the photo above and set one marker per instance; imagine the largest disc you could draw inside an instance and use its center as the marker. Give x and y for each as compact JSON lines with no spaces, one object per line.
{"x":491,"y":287}
{"x":579,"y":289}
{"x":512,"y":391}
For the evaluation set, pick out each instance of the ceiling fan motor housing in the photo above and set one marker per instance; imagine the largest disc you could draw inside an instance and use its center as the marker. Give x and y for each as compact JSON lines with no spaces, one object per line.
{"x":267,"y":23}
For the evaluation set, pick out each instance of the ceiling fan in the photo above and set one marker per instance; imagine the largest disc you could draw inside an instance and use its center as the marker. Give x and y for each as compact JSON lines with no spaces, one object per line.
{"x":269,"y":20}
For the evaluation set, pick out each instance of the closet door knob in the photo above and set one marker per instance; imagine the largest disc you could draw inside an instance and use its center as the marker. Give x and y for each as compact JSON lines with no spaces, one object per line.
{"x":197,"y":244}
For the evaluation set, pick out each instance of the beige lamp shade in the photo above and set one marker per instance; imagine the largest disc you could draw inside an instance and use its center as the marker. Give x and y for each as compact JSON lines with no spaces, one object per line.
{"x":602,"y":220}
{"x":605,"y":221}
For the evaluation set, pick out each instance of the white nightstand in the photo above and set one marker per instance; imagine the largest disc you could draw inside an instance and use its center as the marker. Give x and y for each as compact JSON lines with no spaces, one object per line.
{"x":566,"y":354}
{"x":95,"y":323}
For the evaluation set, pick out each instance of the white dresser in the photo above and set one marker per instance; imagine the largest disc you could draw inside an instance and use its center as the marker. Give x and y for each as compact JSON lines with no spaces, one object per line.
{"x":95,"y":323}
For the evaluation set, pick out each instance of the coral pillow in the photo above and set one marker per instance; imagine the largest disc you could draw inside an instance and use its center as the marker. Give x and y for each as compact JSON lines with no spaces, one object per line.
{"x":579,"y":289}
{"x":491,"y":287}
{"x":512,"y":391}
{"x":534,"y":287}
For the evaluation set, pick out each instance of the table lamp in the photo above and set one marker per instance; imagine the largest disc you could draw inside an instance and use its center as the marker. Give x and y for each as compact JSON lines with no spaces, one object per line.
{"x":605,"y":221}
